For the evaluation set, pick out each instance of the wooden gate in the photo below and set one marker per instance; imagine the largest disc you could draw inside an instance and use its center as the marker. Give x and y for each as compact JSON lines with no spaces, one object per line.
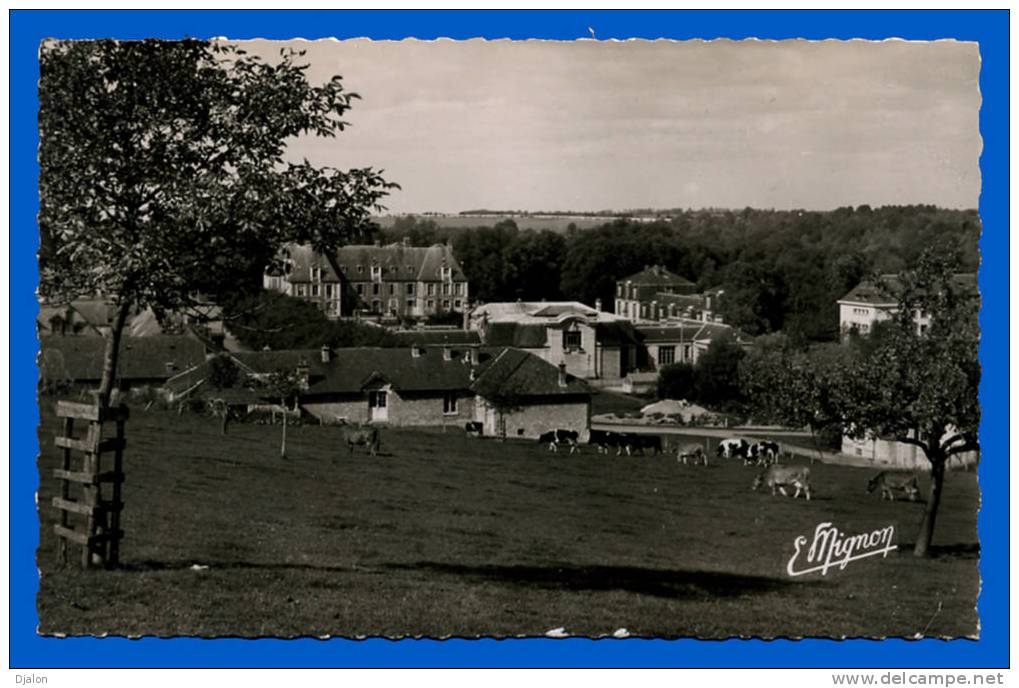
{"x":90,"y":497}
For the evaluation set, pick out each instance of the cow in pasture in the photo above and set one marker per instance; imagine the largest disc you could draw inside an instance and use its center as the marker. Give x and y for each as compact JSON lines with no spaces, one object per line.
{"x":647,"y":443}
{"x":891,"y":482}
{"x":780,"y":477}
{"x":763,"y":453}
{"x":603,"y":439}
{"x":363,"y":436}
{"x":474,"y":428}
{"x":732,"y":448}
{"x":693,"y":451}
{"x":554,"y":438}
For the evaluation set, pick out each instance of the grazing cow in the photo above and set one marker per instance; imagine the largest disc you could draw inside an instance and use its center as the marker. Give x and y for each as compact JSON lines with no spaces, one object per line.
{"x":474,"y":428}
{"x":691,"y":451}
{"x":553,"y":438}
{"x":651,"y":443}
{"x":780,"y":477}
{"x":365,"y":436}
{"x":734,"y":447}
{"x":764,"y":453}
{"x":891,"y":481}
{"x":603,"y":439}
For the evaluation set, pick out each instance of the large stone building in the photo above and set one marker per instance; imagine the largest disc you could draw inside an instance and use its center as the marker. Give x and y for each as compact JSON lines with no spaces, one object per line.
{"x":396,"y":280}
{"x":591,"y":343}
{"x":655,"y":294}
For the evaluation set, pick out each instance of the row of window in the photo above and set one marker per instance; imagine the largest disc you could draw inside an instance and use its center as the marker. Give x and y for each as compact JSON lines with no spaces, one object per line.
{"x":667,"y":354}
{"x":409,"y":289}
{"x":444,"y":273}
{"x":376,"y":305}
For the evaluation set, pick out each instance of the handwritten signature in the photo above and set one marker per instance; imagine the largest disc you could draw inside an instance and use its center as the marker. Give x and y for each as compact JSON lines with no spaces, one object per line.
{"x":831,"y":547}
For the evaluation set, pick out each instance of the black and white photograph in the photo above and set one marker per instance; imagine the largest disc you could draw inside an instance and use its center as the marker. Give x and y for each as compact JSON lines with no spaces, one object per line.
{"x":608,"y":339}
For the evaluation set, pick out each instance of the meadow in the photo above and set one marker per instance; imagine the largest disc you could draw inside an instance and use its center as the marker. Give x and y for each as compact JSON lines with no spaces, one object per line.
{"x":442,"y":535}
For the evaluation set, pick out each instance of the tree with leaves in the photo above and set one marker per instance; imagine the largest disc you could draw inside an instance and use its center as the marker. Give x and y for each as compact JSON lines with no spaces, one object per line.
{"x":919,"y":384}
{"x":162,"y":172}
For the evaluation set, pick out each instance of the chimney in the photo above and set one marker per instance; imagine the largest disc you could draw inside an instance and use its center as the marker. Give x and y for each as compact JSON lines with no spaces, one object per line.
{"x":707,"y":302}
{"x":597,"y":305}
{"x":447,"y":353}
{"x":326,"y":353}
{"x":475,"y":356}
{"x":562,"y":374}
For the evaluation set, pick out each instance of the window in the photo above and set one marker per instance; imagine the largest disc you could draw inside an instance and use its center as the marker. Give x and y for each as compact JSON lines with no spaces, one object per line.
{"x":666,"y":355}
{"x":458,"y":304}
{"x":410,"y":289}
{"x":376,"y":272}
{"x":571,"y":339}
{"x":410,"y":304}
{"x":375,"y":290}
{"x":445,"y":273}
{"x":445,"y":290}
{"x":686,"y":352}
{"x":431,"y":289}
{"x":314,"y":290}
{"x":329,"y":290}
{"x":377,"y":399}
{"x":431,"y":304}
{"x":360,"y":269}
{"x":449,"y":407}
{"x":376,"y":306}
{"x":458,"y":289}
{"x":301,"y":290}
{"x":316,"y":274}
{"x":445,"y":304}
{"x":392,"y":288}
{"x":360,"y":290}
{"x":410,"y":269}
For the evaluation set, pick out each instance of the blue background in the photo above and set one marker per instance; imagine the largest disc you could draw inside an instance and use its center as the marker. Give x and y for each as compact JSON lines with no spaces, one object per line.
{"x":989,"y":28}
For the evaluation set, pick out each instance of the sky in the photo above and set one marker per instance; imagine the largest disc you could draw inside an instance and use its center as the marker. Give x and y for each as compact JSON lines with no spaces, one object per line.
{"x":595,"y":125}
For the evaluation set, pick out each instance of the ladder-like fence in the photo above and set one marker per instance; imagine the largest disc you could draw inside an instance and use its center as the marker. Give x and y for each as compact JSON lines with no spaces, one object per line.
{"x":90,"y":501}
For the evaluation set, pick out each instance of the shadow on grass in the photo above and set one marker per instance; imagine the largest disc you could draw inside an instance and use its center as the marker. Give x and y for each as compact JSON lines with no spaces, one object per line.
{"x":676,"y":584}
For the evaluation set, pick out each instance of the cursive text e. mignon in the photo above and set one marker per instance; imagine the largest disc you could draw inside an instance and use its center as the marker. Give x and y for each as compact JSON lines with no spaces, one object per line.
{"x":831,"y":547}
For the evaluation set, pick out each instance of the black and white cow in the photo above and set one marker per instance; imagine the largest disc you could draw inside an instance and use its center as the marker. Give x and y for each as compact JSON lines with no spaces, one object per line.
{"x":474,"y":428}
{"x":554,"y":438}
{"x":733,"y":448}
{"x":604,"y":439}
{"x":763,"y":453}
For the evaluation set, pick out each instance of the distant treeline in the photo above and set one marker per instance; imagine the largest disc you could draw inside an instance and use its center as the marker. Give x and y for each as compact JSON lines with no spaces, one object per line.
{"x":781,"y":270}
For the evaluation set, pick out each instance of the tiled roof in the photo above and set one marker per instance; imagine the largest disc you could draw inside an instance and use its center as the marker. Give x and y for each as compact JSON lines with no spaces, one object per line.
{"x":658,"y":276}
{"x":148,"y":358}
{"x":350,"y":369}
{"x":520,"y":335}
{"x":402,"y":338}
{"x":399,"y":263}
{"x":617,"y":333}
{"x":886,"y":290}
{"x":515,"y":374}
{"x":654,"y":334}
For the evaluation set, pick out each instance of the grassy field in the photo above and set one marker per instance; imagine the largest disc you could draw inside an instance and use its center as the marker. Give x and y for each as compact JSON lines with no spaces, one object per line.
{"x":448,"y":536}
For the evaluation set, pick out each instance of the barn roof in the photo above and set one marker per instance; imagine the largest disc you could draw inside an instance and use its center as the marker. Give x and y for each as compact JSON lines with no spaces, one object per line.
{"x":150,"y":358}
{"x":399,"y":263}
{"x":350,"y":369}
{"x":403,"y":338}
{"x":515,"y":373}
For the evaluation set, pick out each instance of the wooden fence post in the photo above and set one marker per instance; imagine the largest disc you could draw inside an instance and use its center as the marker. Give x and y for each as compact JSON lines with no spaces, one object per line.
{"x":81,"y":498}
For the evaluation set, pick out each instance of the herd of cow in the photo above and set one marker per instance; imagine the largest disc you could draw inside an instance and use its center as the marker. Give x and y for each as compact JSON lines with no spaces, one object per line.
{"x":764,"y":453}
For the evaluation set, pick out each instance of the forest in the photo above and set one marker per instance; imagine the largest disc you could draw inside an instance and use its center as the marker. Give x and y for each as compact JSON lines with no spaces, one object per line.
{"x":782,"y":270}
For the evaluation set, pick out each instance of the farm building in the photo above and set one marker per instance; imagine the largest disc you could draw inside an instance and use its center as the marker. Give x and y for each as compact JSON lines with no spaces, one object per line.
{"x":680,"y":341}
{"x":438,"y":385}
{"x":892,"y":454}
{"x":396,"y":280}
{"x":144,"y":361}
{"x":593,"y":344}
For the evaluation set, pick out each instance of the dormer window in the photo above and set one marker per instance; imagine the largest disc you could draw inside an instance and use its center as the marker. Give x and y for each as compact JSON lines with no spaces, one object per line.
{"x":409,"y":269}
{"x":445,"y":273}
{"x":316,"y":274}
{"x":360,"y":269}
{"x":376,"y":272}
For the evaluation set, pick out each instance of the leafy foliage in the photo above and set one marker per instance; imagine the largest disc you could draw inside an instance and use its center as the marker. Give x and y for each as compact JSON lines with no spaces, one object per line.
{"x":162,"y":170}
{"x":676,"y":381}
{"x":223,"y":373}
